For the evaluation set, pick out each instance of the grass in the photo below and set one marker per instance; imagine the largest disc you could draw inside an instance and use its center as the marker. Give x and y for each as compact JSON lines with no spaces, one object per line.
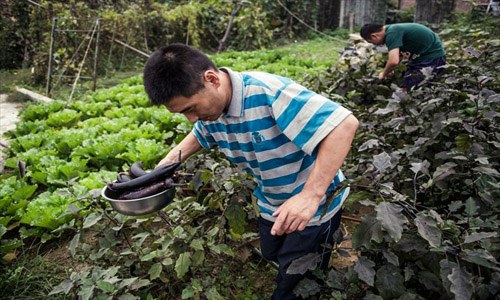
{"x":322,"y":50}
{"x":12,"y":78}
{"x":30,"y":276}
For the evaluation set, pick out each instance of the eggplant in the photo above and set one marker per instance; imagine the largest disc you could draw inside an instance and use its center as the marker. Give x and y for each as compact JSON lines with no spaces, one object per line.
{"x":149,"y":190}
{"x":123,"y":177}
{"x":136,"y":170}
{"x":160,"y":173}
{"x":21,"y":165}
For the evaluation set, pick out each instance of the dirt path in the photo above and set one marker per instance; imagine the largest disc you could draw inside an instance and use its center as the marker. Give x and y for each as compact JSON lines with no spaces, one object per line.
{"x":8,"y":118}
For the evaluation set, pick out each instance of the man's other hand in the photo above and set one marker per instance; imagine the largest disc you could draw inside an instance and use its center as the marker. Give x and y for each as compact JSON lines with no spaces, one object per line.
{"x":294,"y":215}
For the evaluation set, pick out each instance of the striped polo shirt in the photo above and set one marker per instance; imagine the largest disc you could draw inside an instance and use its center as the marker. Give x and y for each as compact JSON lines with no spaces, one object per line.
{"x":271,"y":130}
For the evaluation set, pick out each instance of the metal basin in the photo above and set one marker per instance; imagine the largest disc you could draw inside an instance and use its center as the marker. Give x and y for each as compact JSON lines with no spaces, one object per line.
{"x":139,"y":206}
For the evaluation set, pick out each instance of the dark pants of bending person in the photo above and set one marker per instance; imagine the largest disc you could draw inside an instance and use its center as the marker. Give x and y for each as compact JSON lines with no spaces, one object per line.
{"x":286,"y":248}
{"x":413,"y":75}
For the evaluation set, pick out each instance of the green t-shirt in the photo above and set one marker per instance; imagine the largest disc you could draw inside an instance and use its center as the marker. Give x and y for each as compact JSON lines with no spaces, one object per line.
{"x":419,"y":40}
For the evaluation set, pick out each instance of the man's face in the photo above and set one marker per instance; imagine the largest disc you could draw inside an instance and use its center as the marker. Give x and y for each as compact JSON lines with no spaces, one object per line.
{"x":206,"y":105}
{"x":376,"y":38}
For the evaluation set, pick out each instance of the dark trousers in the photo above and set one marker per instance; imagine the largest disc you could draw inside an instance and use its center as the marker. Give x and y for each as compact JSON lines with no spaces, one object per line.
{"x":286,"y":248}
{"x":413,"y":75}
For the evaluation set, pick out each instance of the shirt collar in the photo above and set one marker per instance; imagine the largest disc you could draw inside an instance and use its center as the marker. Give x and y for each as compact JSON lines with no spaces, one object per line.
{"x":235,"y":108}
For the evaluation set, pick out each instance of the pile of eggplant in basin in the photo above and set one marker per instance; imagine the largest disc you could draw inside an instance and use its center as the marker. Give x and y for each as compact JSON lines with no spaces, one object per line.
{"x":139,"y":183}
{"x":141,"y":192}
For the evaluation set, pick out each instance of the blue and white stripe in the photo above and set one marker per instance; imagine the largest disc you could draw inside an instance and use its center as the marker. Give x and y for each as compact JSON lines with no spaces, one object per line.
{"x":272,"y":129}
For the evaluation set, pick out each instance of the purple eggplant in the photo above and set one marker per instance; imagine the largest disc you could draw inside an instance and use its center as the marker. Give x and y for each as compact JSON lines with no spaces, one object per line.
{"x":149,"y":190}
{"x":136,"y":170}
{"x":158,"y":174}
{"x":123,"y":177}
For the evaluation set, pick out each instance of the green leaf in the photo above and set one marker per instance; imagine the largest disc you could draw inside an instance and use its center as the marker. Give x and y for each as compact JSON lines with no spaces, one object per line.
{"x":155,"y":271}
{"x":364,"y":269}
{"x":127,"y":282}
{"x":444,"y":171}
{"x":430,"y":281}
{"x":369,"y":230}
{"x":73,"y":244}
{"x":236,"y":217}
{"x":461,"y":284}
{"x":213,"y":294}
{"x":306,"y":288}
{"x":391,"y":257}
{"x":382,"y":162}
{"x":187,"y":293}
{"x":151,"y":255}
{"x":463,"y":142}
{"x":481,"y":257}
{"x":304,"y":263}
{"x":455,"y":205}
{"x":3,"y":230}
{"x":91,"y":220}
{"x":409,"y":296}
{"x":487,"y":171}
{"x":427,"y":228}
{"x":479,"y":236}
{"x":389,"y":282}
{"x":197,"y":244}
{"x":24,"y":192}
{"x":369,"y":144}
{"x":128,"y":297}
{"x":390,"y":217}
{"x":335,"y":279}
{"x":221,"y":248}
{"x":182,"y":264}
{"x":167,"y":261}
{"x":420,"y":167}
{"x":139,"y":284}
{"x":198,"y":258}
{"x":446,"y":268}
{"x":105,"y":286}
{"x":86,"y":292}
{"x":64,"y":287}
{"x":470,"y":207}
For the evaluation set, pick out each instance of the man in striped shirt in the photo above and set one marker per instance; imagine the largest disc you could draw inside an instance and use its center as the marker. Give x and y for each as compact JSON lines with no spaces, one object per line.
{"x":292,"y":140}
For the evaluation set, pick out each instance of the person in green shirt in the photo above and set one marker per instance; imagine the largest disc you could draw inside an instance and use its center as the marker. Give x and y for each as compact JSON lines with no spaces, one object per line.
{"x":418,"y":43}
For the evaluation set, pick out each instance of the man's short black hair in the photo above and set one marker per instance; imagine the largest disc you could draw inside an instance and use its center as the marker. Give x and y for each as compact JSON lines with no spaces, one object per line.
{"x":367,"y":30}
{"x":175,"y":70}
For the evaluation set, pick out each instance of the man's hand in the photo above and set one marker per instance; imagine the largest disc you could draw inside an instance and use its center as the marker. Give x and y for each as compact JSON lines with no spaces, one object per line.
{"x":166,"y":160}
{"x":391,"y":64}
{"x":405,"y":54}
{"x":294,"y":214}
{"x":188,"y":146}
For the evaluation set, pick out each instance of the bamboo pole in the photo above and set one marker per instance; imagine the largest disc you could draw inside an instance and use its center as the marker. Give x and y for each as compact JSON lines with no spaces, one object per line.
{"x":94,"y":72}
{"x":51,"y":54}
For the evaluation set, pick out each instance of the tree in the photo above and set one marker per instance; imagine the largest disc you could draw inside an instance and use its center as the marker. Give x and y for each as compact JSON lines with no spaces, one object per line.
{"x":434,"y":11}
{"x":234,"y":12}
{"x":358,"y":13}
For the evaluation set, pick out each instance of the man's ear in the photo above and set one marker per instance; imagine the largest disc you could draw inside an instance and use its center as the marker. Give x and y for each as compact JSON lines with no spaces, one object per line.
{"x":212,"y":77}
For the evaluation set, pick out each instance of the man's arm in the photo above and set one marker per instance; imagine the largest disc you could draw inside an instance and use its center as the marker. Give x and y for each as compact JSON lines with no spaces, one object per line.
{"x":391,"y":64}
{"x":188,"y":146}
{"x":297,"y":211}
